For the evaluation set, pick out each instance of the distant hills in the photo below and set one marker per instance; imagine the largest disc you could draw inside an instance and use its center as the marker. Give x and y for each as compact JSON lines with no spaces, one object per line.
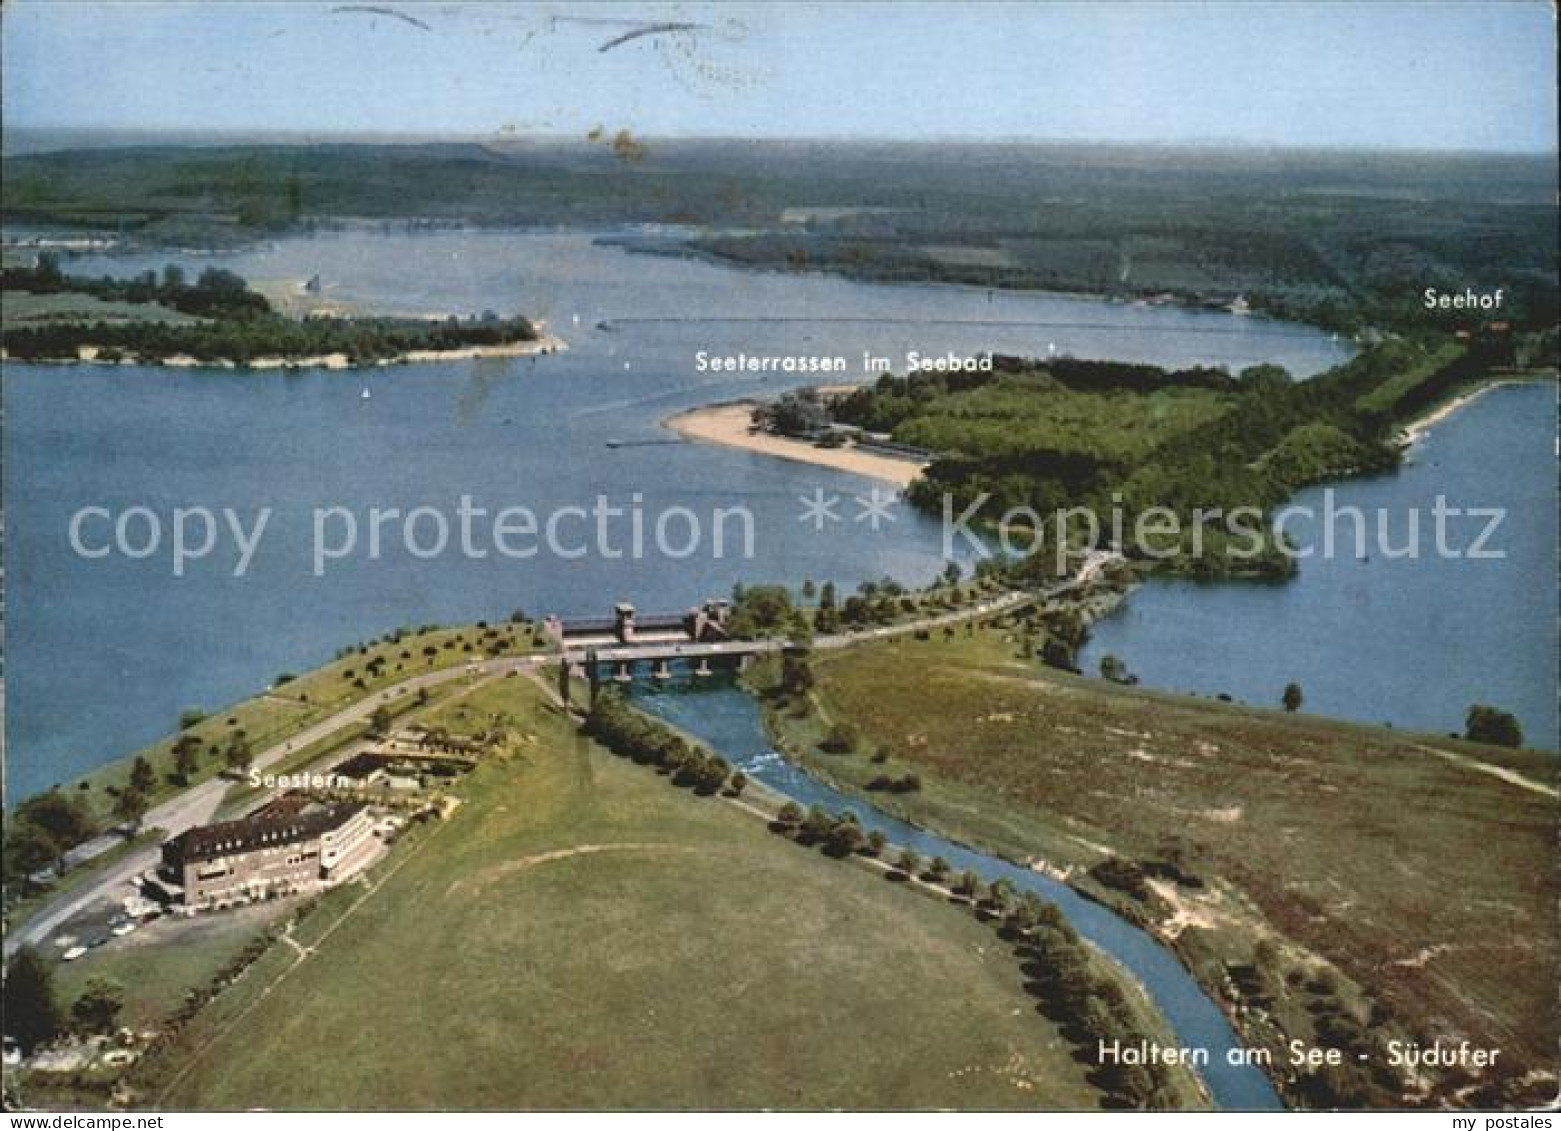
{"x":1338,"y":238}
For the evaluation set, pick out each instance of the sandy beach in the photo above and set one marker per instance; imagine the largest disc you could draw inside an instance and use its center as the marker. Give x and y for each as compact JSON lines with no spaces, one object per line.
{"x":729,"y":424}
{"x":1416,"y":430}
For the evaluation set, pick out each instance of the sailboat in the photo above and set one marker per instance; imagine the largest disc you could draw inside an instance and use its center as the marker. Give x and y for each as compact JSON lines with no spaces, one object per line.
{"x":365,"y":395}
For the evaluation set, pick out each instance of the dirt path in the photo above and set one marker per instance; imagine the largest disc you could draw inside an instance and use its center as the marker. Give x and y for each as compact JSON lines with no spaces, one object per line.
{"x":536,"y":860}
{"x":1511,"y":777}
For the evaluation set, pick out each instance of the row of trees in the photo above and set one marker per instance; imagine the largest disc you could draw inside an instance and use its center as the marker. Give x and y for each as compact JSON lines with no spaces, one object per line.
{"x":216,"y":293}
{"x":1093,"y":1008}
{"x":241,"y":341}
{"x":618,"y":726}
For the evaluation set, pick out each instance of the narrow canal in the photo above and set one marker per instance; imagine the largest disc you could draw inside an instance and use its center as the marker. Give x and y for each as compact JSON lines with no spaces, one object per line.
{"x":727,"y":719}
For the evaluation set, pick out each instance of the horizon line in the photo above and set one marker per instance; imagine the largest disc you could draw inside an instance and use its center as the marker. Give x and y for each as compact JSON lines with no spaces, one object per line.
{"x":197,"y":135}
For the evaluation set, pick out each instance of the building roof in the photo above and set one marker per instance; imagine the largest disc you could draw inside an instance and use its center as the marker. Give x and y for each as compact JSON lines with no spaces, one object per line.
{"x":362,"y":765}
{"x":289,"y":819}
{"x":575,"y":625}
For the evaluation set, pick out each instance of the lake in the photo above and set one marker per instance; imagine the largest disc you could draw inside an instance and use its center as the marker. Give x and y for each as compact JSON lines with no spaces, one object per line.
{"x":1411,"y":641}
{"x":104,"y":653}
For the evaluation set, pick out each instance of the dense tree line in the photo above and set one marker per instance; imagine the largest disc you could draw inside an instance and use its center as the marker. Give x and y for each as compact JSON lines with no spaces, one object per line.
{"x":216,"y":293}
{"x":1057,"y":963}
{"x":238,"y":324}
{"x":618,"y":726}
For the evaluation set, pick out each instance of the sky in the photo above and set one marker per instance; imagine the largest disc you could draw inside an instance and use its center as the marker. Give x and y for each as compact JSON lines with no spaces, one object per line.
{"x":1423,"y":75}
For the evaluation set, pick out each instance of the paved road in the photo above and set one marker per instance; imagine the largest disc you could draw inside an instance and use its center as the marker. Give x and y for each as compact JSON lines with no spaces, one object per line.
{"x":195,"y":806}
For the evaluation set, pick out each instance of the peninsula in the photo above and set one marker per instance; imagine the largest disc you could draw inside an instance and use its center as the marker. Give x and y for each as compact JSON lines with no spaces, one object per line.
{"x":218,"y":321}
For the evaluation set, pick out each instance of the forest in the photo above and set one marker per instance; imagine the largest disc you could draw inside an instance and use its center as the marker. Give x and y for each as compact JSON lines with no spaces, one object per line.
{"x":1103,"y":435}
{"x":1342,"y":240}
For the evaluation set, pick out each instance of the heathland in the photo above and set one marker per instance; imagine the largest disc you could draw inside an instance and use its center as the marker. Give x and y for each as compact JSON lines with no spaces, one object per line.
{"x":1341,"y":884}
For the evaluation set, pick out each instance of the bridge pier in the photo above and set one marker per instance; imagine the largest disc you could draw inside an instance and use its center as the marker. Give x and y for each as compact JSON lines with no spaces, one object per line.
{"x":703,"y":669}
{"x":663,"y":670}
{"x":623,"y":673}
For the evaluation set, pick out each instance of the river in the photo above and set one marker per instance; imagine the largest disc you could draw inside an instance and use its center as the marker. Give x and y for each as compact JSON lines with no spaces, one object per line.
{"x":728,"y":720}
{"x":103,"y":654}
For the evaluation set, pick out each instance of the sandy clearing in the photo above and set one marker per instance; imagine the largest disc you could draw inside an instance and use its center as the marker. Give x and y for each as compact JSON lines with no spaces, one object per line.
{"x":730,"y":426}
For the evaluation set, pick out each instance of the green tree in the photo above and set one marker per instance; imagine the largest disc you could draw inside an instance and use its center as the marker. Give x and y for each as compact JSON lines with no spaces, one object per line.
{"x":66,"y":820}
{"x":842,"y":738}
{"x":796,"y":673}
{"x":142,"y":777}
{"x":845,"y":836}
{"x":130,"y":807}
{"x":379,"y":721}
{"x":737,"y":783}
{"x":1113,"y":669}
{"x":238,"y":756}
{"x":1026,"y":912}
{"x":760,"y":610}
{"x":28,"y":851}
{"x":1489,"y":724}
{"x":186,"y":749}
{"x":32,"y":1010}
{"x":909,"y":862}
{"x":789,"y":815}
{"x":1292,"y":698}
{"x":99,"y":1005}
{"x":818,"y":822}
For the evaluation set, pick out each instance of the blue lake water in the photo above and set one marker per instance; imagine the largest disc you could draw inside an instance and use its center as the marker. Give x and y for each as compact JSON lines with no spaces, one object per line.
{"x":102,"y":655}
{"x":1411,"y":641}
{"x":728,"y":720}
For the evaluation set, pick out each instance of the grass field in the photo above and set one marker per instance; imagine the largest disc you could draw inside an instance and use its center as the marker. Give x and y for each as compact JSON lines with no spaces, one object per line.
{"x":1020,"y":415}
{"x":582,"y":935}
{"x":161,"y":962}
{"x":294,"y":703}
{"x":1395,"y":875}
{"x":27,"y":308}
